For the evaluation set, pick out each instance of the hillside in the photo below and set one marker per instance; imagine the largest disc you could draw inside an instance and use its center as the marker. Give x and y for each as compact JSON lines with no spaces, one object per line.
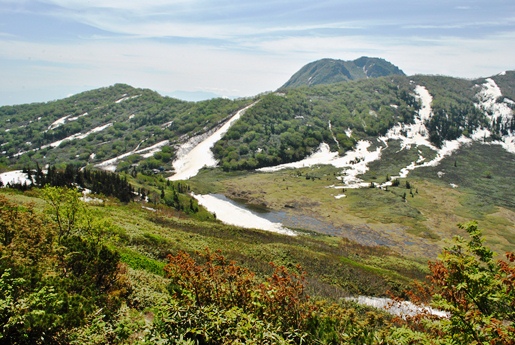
{"x":330,"y":71}
{"x":368,"y":132}
{"x":95,"y":127}
{"x":348,"y":187}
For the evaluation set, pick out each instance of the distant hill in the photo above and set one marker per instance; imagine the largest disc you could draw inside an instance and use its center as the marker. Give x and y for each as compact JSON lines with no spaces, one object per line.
{"x":329,"y":71}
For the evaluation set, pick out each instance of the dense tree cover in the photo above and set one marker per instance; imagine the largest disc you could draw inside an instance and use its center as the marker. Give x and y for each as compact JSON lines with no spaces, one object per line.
{"x":136,"y":118}
{"x":287,"y":127}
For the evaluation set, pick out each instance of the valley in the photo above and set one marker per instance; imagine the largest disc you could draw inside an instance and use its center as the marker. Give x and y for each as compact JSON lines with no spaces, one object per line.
{"x":322,"y":196}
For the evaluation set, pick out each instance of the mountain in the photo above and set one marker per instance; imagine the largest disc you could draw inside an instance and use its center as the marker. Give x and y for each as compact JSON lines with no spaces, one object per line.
{"x":329,"y":71}
{"x":367,"y":132}
{"x":364,"y":181}
{"x":95,"y":127}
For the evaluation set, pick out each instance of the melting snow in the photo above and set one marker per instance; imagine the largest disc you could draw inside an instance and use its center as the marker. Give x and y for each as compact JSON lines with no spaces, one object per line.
{"x":14,"y":177}
{"x":496,"y":111}
{"x":111,"y":164}
{"x":402,"y":308}
{"x":196,"y":153}
{"x":78,"y":136}
{"x":125,"y":98}
{"x":77,"y":117}
{"x":167,"y":124}
{"x":58,"y":122}
{"x":234,"y":215}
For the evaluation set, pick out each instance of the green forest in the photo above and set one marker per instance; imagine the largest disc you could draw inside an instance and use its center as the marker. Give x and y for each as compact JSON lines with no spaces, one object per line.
{"x":282,"y":127}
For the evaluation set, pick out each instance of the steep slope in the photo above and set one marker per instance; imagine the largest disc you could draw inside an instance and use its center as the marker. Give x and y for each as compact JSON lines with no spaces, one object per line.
{"x":106,"y":126}
{"x":329,"y":71}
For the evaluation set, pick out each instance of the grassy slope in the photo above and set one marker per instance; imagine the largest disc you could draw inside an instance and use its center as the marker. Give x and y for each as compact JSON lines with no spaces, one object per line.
{"x":336,"y":267}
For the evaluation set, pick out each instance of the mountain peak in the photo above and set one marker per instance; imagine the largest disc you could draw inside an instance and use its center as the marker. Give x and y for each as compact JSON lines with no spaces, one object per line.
{"x":329,"y":71}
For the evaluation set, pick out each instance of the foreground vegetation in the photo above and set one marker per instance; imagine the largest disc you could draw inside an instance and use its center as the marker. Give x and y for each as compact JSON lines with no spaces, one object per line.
{"x":119,"y":274}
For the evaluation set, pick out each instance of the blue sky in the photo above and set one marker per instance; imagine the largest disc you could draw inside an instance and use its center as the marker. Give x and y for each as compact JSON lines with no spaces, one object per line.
{"x":50,"y":49}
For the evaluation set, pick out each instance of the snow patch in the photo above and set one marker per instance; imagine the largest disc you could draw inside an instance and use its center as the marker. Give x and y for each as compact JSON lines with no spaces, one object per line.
{"x":111,"y":164}
{"x":196,"y":153}
{"x":499,"y":112}
{"x":77,"y":136}
{"x":234,"y":215}
{"x":77,"y":117}
{"x":125,"y":97}
{"x":399,"y":308}
{"x":58,"y":123}
{"x":14,"y":177}
{"x":167,"y":124}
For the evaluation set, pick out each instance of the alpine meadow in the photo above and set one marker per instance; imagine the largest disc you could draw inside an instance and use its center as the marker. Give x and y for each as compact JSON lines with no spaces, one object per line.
{"x":353,"y":205}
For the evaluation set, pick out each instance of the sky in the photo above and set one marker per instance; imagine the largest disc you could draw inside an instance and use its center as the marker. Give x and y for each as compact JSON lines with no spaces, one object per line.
{"x":51,"y":49}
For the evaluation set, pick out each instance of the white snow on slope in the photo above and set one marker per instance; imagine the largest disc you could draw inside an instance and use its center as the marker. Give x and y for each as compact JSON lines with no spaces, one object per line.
{"x":71,"y":137}
{"x":402,"y":308}
{"x":234,"y":215}
{"x":14,"y":177}
{"x":488,"y":102}
{"x":417,"y":133}
{"x":75,"y":118}
{"x":78,"y":136}
{"x":495,"y":110}
{"x":125,"y":98}
{"x":355,"y":162}
{"x":58,"y":122}
{"x":111,"y":164}
{"x":196,"y":153}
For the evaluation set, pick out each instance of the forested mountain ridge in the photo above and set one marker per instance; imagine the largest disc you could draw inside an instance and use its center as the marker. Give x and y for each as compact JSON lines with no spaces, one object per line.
{"x":119,"y":127}
{"x":101,"y":124}
{"x":330,"y":71}
{"x":288,"y":126}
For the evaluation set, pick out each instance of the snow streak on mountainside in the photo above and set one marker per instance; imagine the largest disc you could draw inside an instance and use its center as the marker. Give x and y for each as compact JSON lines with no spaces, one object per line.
{"x":499,"y":111}
{"x":77,"y":136}
{"x":355,"y":162}
{"x":196,"y":153}
{"x":111,"y":164}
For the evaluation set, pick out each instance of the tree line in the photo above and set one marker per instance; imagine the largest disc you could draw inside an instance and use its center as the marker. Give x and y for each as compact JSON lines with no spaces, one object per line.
{"x":97,"y":181}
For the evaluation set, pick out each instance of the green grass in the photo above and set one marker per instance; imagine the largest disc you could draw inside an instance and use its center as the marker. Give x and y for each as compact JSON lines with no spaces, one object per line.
{"x":139,"y":261}
{"x":144,"y":239}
